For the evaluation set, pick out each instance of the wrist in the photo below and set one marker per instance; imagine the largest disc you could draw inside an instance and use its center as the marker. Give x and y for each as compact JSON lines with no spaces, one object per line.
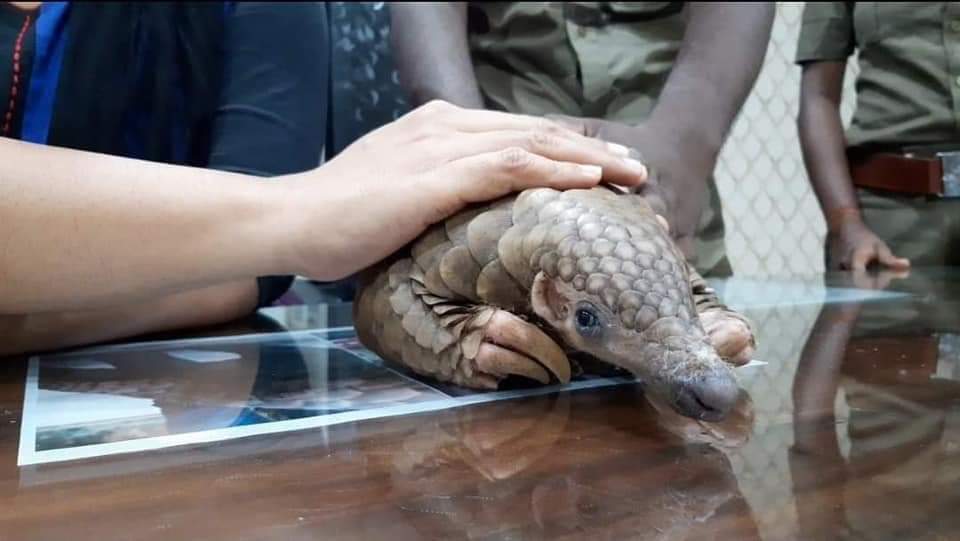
{"x":278,"y":227}
{"x":676,"y":144}
{"x":702,"y":139}
{"x":838,"y":218}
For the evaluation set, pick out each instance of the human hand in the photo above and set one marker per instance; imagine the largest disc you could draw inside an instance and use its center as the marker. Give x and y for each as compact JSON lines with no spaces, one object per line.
{"x":853,"y":246}
{"x":389,"y":186}
{"x":676,"y":186}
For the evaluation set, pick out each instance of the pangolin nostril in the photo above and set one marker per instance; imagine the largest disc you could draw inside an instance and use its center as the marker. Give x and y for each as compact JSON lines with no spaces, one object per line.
{"x":710,"y":398}
{"x":703,"y":404}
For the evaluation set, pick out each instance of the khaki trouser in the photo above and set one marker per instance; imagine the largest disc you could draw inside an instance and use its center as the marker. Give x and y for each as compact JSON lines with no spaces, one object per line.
{"x":924,"y":230}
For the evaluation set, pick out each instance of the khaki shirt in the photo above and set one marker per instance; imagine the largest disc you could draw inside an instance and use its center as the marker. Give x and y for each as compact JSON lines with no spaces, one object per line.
{"x":596,"y":59}
{"x":908,"y":89}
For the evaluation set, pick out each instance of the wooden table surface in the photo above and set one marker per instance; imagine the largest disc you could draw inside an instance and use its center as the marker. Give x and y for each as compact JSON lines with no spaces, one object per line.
{"x":851,"y":432}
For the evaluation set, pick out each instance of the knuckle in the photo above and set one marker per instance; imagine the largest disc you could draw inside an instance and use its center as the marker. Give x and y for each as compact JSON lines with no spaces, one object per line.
{"x":541,"y":139}
{"x":424,"y":132}
{"x":549,"y":126}
{"x":434,"y":108}
{"x":514,"y":159}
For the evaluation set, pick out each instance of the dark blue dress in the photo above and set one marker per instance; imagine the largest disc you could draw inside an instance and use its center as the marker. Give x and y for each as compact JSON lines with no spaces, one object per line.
{"x":233,"y":86}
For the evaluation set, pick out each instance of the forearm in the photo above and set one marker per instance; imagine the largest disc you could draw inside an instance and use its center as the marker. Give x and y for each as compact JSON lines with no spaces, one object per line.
{"x":432,"y":53}
{"x":823,"y":142}
{"x":194,"y":308}
{"x":82,"y":230}
{"x":722,"y":52}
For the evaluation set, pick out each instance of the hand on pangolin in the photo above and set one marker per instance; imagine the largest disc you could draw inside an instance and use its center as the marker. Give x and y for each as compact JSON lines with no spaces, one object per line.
{"x":390,"y":185}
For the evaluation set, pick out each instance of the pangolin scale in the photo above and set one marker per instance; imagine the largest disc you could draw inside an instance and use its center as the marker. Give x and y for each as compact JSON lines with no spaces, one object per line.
{"x":516,"y":286}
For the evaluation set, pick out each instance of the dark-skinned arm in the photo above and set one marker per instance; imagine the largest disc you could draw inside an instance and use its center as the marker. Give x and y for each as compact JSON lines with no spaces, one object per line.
{"x":852,"y":245}
{"x":432,"y":53}
{"x":721,"y":55}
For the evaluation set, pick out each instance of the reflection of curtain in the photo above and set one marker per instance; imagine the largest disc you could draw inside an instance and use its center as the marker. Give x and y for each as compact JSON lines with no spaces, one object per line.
{"x":366,"y":93}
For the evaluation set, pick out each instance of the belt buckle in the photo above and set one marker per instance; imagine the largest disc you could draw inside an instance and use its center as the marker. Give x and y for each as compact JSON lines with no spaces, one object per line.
{"x":950,"y":162}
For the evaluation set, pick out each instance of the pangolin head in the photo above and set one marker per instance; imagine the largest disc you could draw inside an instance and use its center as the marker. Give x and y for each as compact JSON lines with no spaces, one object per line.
{"x":611,"y":283}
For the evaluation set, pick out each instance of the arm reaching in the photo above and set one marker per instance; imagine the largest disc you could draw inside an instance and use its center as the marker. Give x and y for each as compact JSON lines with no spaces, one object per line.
{"x":723,"y":49}
{"x":852,"y":245}
{"x":84,"y":230}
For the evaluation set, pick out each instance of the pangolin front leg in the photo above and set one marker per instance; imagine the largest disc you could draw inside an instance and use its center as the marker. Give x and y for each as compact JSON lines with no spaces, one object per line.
{"x":730,"y":332}
{"x":472,"y":345}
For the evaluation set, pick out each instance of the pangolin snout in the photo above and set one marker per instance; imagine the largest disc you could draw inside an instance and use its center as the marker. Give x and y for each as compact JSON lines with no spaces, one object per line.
{"x":708,"y":398}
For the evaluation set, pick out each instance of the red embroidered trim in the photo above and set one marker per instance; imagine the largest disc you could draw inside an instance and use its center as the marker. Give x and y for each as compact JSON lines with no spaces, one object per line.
{"x":15,"y":85}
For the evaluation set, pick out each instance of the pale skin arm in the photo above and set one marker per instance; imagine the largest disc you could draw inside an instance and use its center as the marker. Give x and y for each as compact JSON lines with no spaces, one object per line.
{"x":194,"y":308}
{"x":86,"y":231}
{"x":226,"y":301}
{"x":83,"y":230}
{"x":85,"y":243}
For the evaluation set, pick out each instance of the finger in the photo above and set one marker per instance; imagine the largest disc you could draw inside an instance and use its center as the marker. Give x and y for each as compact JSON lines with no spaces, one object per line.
{"x":686,"y":246}
{"x":479,"y":120}
{"x":887,"y":258}
{"x":510,"y":331}
{"x":617,"y":166}
{"x":734,"y":343}
{"x":491,"y":175}
{"x":501,"y":362}
{"x":861,"y":258}
{"x":574,"y":124}
{"x":730,"y":335}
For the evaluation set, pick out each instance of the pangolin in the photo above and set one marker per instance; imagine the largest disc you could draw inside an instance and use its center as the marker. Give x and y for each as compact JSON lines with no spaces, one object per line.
{"x":519,"y":286}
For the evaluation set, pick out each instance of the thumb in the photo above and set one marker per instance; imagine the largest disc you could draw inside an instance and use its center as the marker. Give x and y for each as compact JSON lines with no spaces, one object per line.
{"x":886,"y":258}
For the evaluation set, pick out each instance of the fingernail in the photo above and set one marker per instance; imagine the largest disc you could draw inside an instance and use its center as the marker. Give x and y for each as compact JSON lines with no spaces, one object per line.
{"x":619,"y":150}
{"x":638,"y":167}
{"x":592,"y":171}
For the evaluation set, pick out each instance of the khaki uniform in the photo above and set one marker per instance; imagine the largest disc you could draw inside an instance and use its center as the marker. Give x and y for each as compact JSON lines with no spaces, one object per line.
{"x":908,"y":95}
{"x":606,"y":60}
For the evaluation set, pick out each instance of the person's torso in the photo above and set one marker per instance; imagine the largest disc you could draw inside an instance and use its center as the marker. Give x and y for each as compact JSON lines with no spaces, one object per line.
{"x":603,"y":59}
{"x":129,"y":79}
{"x":908,"y":86}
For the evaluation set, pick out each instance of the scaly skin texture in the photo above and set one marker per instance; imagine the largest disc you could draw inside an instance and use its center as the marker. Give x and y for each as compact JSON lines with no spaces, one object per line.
{"x":514,"y":286}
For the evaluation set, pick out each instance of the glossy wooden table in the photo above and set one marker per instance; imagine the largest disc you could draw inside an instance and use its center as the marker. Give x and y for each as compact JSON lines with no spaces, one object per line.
{"x":851,"y":431}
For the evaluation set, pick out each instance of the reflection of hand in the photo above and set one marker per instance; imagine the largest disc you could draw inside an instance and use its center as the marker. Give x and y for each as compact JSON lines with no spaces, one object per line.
{"x":389,"y":186}
{"x":853,"y":246}
{"x":876,"y":280}
{"x":677,"y":183}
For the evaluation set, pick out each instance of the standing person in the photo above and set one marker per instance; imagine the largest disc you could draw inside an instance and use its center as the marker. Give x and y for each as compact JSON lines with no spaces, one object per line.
{"x":882,"y":188}
{"x":664,"y":78}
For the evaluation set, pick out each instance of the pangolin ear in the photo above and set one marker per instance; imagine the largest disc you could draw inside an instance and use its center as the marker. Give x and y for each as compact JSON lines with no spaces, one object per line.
{"x":547,"y":301}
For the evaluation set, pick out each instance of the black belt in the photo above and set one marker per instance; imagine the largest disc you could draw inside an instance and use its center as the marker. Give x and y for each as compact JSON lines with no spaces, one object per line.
{"x":603,"y":15}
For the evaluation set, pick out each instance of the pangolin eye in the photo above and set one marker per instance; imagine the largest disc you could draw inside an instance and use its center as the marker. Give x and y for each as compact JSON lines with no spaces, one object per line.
{"x":588,"y":323}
